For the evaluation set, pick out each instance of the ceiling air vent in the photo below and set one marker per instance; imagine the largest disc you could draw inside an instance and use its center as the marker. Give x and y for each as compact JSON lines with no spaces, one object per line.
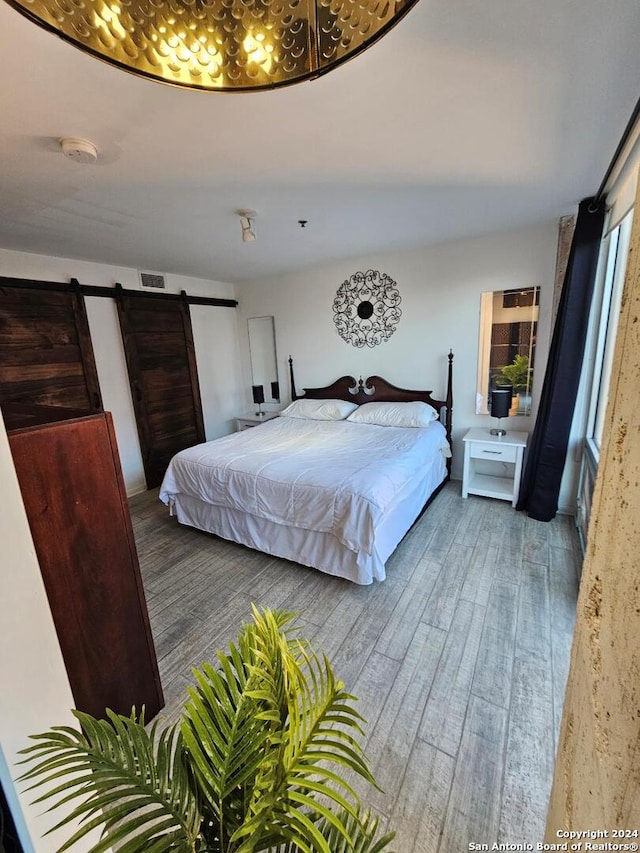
{"x":153,"y":279}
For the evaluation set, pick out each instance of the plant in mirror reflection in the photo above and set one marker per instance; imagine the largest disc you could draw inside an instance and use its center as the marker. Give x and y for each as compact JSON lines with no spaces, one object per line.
{"x":518,"y":374}
{"x":255,"y":764}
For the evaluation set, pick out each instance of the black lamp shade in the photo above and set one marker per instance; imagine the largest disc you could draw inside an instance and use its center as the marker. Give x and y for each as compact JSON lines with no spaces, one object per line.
{"x":258,"y":393}
{"x":501,"y":402}
{"x":275,"y":391}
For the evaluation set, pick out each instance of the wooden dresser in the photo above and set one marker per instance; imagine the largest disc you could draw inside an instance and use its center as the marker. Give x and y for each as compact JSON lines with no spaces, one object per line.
{"x":72,"y":486}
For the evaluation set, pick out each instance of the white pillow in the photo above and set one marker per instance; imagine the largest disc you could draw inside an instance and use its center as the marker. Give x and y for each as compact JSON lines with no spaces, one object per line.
{"x":319,"y":410}
{"x":412,"y":414}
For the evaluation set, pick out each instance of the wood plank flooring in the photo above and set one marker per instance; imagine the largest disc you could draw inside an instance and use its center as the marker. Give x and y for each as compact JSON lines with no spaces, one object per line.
{"x":459,"y":659}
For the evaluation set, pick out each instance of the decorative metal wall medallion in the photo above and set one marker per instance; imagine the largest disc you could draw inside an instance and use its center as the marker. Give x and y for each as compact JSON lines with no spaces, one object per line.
{"x":366,"y":308}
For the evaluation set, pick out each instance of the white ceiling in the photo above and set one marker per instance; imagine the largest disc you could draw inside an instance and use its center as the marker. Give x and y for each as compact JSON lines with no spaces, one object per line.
{"x":466,"y":118}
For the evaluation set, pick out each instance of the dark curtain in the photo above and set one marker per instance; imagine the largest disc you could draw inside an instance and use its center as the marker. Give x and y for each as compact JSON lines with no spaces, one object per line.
{"x":548,"y":446}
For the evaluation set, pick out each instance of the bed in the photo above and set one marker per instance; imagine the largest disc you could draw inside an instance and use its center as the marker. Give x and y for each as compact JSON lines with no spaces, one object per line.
{"x":334,"y":483}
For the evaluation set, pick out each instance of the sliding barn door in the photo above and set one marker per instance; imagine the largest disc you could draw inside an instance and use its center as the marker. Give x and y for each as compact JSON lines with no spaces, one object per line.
{"x":46,"y":357}
{"x":158,"y":343}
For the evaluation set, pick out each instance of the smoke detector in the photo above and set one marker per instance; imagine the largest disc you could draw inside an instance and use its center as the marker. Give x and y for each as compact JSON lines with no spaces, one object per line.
{"x":79,"y":150}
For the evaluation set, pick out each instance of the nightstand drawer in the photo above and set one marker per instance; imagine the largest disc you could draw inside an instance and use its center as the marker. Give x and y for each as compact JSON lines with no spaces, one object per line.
{"x":251,"y":419}
{"x":493,"y":451}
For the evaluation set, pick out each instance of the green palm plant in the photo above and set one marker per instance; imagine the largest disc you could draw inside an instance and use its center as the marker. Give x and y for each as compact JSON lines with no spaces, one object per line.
{"x":518,"y":374}
{"x":253,"y":765}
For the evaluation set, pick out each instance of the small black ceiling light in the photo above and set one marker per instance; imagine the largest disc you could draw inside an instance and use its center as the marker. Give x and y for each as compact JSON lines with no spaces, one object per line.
{"x":219,"y":45}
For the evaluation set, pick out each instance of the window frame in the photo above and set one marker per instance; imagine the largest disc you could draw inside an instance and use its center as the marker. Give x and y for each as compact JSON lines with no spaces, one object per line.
{"x":606,"y":313}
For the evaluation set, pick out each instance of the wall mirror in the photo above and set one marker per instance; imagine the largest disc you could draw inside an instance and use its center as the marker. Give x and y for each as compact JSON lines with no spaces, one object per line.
{"x":507,"y":346}
{"x":262,"y":352}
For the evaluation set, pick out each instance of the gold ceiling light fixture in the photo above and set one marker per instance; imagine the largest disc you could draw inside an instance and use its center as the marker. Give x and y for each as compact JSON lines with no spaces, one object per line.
{"x":219,"y":45}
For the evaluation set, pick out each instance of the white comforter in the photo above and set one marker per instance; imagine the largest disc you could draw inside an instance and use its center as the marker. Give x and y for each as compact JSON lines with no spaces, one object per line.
{"x":330,"y":476}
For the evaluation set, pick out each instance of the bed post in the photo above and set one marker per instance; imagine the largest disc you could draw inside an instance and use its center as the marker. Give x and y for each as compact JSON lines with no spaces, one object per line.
{"x":449,"y":400}
{"x":292,"y":381}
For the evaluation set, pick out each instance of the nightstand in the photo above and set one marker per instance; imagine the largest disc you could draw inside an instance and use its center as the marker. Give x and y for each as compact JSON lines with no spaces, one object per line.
{"x":250,"y":419}
{"x":493,"y":464}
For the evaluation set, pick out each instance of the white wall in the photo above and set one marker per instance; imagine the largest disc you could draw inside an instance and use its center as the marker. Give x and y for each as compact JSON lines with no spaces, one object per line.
{"x":35,"y":692}
{"x":440,"y":289}
{"x":215,"y":331}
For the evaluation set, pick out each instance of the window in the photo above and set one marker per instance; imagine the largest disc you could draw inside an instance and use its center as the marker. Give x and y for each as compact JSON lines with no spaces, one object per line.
{"x":605,"y":313}
{"x":606,"y":308}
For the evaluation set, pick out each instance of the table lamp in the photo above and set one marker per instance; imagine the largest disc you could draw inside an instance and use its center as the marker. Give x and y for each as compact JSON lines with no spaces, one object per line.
{"x":258,"y":397}
{"x":500,"y":405}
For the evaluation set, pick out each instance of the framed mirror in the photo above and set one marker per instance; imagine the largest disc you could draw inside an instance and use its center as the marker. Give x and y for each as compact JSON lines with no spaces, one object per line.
{"x":264,"y":362}
{"x":507,"y":346}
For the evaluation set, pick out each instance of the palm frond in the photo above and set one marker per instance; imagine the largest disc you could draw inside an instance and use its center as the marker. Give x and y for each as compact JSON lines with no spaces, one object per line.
{"x":362,"y":829}
{"x":318,"y":731}
{"x":133,"y":783}
{"x":255,"y":765}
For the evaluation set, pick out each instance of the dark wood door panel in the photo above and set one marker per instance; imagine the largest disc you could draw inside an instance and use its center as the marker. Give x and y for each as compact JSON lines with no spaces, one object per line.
{"x":36,"y":328}
{"x":160,"y":462}
{"x":169,"y":431}
{"x":166,"y":345}
{"x":155,"y":319}
{"x":181,"y":397}
{"x":180,"y":416}
{"x":46,"y":356}
{"x":14,"y":374}
{"x":159,"y":392}
{"x":158,"y":344}
{"x":30,"y":297}
{"x":23,"y":356}
{"x":65,"y":391}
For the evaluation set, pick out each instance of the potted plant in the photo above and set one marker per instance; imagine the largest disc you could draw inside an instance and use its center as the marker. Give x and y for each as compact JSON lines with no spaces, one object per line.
{"x":253,"y":765}
{"x":519,"y":375}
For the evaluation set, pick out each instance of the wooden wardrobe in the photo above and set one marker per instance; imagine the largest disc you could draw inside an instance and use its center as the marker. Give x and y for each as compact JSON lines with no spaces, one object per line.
{"x":72,"y":486}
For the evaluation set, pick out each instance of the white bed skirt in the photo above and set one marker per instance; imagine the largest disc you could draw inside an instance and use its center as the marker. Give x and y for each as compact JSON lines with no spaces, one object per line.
{"x":318,"y":550}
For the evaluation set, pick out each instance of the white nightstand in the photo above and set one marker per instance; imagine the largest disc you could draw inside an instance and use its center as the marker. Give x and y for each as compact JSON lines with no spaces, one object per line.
{"x":493,"y":464}
{"x":250,"y":419}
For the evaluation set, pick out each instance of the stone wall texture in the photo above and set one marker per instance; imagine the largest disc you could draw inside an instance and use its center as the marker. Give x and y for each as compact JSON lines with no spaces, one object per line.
{"x":597,"y":774}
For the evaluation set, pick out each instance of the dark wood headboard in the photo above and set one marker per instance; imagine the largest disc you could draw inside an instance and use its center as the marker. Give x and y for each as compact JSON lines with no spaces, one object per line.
{"x":377,"y":389}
